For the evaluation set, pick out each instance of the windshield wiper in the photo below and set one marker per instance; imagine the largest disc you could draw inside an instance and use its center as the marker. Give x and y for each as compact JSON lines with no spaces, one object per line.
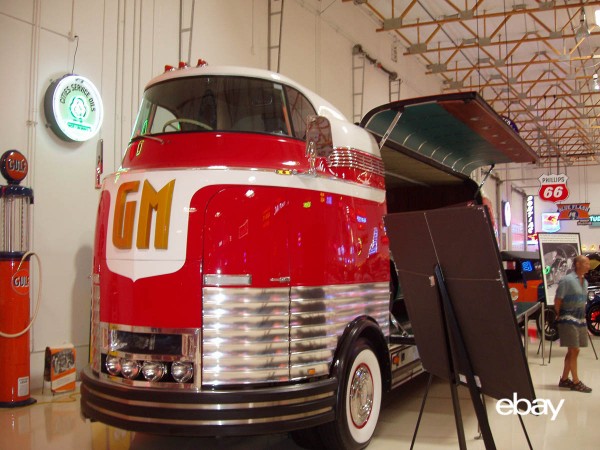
{"x":146,"y":136}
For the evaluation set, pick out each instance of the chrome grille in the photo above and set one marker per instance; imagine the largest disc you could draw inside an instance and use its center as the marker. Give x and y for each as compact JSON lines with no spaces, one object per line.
{"x":246,"y":335}
{"x":319,"y":316}
{"x":255,"y":335}
{"x":355,"y":159}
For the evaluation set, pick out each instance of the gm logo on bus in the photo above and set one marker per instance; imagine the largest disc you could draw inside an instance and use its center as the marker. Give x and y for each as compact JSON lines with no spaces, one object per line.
{"x":127,"y":209}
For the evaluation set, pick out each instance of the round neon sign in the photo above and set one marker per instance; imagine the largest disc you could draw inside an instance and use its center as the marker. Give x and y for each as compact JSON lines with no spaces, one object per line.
{"x":73,"y":108}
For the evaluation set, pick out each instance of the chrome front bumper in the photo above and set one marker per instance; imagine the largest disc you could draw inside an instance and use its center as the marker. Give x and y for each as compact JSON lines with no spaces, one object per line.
{"x":224,"y":412}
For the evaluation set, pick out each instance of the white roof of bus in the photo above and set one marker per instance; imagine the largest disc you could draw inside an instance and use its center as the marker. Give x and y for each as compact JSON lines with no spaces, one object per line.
{"x":323,"y":107}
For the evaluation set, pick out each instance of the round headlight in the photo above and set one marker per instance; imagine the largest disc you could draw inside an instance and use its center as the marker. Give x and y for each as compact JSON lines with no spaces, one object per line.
{"x":113,"y":365}
{"x":182,"y":371}
{"x":153,"y":371}
{"x":130,"y":368}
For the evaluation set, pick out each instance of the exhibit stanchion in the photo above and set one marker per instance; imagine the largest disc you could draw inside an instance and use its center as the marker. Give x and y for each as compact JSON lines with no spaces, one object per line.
{"x":593,"y":348}
{"x":543,"y":333}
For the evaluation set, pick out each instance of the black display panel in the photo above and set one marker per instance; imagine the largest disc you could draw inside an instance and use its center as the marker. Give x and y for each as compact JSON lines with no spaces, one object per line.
{"x":461,"y":241}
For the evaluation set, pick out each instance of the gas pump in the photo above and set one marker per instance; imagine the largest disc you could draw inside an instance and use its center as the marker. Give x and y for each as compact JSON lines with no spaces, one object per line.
{"x":14,"y":282}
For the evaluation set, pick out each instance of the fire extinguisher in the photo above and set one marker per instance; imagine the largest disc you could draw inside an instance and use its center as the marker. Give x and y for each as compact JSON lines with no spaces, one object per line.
{"x":15,"y":322}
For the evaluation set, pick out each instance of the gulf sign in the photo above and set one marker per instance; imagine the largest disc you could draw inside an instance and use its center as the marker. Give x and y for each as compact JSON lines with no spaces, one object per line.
{"x":13,"y":166}
{"x":553,"y":187}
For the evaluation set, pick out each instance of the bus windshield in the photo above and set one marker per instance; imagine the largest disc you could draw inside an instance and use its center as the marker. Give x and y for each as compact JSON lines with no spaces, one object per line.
{"x":214,"y":103}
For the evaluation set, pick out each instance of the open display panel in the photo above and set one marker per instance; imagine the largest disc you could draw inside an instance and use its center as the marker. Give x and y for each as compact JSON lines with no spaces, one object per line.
{"x":461,"y":241}
{"x":430,"y":146}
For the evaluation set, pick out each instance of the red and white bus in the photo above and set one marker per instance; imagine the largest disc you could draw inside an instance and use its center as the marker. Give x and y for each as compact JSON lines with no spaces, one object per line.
{"x":241,"y":280}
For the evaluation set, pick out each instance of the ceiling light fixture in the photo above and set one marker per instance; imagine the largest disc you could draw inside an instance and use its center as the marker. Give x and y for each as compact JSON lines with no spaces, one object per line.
{"x":597,"y":17}
{"x":583,"y":31}
{"x":596,"y":84}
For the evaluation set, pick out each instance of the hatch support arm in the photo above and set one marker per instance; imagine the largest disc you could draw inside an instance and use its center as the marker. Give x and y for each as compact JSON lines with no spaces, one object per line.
{"x":387,"y":133}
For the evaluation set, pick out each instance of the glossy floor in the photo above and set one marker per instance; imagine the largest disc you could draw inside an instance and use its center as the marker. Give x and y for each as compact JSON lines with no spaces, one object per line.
{"x":55,"y":423}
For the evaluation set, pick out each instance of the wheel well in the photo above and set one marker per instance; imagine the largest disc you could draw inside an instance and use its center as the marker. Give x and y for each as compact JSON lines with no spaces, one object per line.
{"x":363,"y":327}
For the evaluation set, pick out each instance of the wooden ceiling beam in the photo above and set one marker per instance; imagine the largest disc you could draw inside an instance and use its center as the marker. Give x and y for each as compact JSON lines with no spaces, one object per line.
{"x":486,"y":15}
{"x":524,"y":39}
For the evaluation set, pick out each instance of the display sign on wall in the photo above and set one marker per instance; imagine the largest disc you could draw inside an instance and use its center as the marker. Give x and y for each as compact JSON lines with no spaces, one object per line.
{"x":73,"y":108}
{"x":553,"y":187}
{"x":13,"y":166}
{"x":530,"y":220}
{"x":573,"y":211}
{"x":550,"y":223}
{"x":595,"y":220}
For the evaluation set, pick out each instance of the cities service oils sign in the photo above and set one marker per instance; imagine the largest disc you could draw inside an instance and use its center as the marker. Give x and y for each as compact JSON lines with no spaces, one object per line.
{"x":73,"y":108}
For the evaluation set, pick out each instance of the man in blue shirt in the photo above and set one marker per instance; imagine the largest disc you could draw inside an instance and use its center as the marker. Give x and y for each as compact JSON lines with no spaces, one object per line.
{"x":569,"y":304}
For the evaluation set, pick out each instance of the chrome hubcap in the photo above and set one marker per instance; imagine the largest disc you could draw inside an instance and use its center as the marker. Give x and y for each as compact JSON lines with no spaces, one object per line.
{"x":361,"y":396}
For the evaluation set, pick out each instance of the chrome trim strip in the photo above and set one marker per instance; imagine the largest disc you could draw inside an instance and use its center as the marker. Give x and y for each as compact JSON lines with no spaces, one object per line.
{"x":136,"y":329}
{"x":217,"y":279}
{"x":209,"y":407}
{"x":356,"y":159}
{"x":189,"y":339}
{"x":150,"y":357}
{"x":155,"y":420}
{"x":146,"y":384}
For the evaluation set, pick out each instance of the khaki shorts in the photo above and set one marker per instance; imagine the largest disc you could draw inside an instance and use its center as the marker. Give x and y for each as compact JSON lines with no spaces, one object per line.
{"x":572,"y":336}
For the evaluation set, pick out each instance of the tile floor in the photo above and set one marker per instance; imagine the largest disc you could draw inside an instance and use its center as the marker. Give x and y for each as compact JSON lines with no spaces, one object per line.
{"x":55,"y":423}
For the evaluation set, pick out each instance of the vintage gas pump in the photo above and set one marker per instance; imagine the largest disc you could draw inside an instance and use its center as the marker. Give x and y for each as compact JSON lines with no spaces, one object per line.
{"x":14,"y":282}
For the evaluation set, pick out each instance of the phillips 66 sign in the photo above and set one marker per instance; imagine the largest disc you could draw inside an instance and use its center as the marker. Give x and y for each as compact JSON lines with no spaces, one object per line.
{"x":553,"y":187}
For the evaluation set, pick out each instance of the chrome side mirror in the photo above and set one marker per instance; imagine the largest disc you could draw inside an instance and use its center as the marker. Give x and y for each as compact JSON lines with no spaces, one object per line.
{"x":319,"y":142}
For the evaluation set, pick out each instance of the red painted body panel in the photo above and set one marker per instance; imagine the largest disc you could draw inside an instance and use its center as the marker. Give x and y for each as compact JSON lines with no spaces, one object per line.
{"x":183,"y":150}
{"x":247,"y":233}
{"x":315,"y":238}
{"x":226,"y":149}
{"x":166,"y":301}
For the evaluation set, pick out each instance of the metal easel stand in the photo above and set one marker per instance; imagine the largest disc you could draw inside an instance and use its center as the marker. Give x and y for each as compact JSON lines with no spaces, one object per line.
{"x":520,"y":420}
{"x":459,"y":358}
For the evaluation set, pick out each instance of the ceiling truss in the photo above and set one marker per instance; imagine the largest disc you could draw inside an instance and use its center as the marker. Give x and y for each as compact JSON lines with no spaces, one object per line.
{"x":533,"y":61}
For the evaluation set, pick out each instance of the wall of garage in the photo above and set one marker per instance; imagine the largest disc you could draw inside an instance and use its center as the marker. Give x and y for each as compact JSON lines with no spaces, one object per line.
{"x":121,"y":44}
{"x":584,"y":187}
